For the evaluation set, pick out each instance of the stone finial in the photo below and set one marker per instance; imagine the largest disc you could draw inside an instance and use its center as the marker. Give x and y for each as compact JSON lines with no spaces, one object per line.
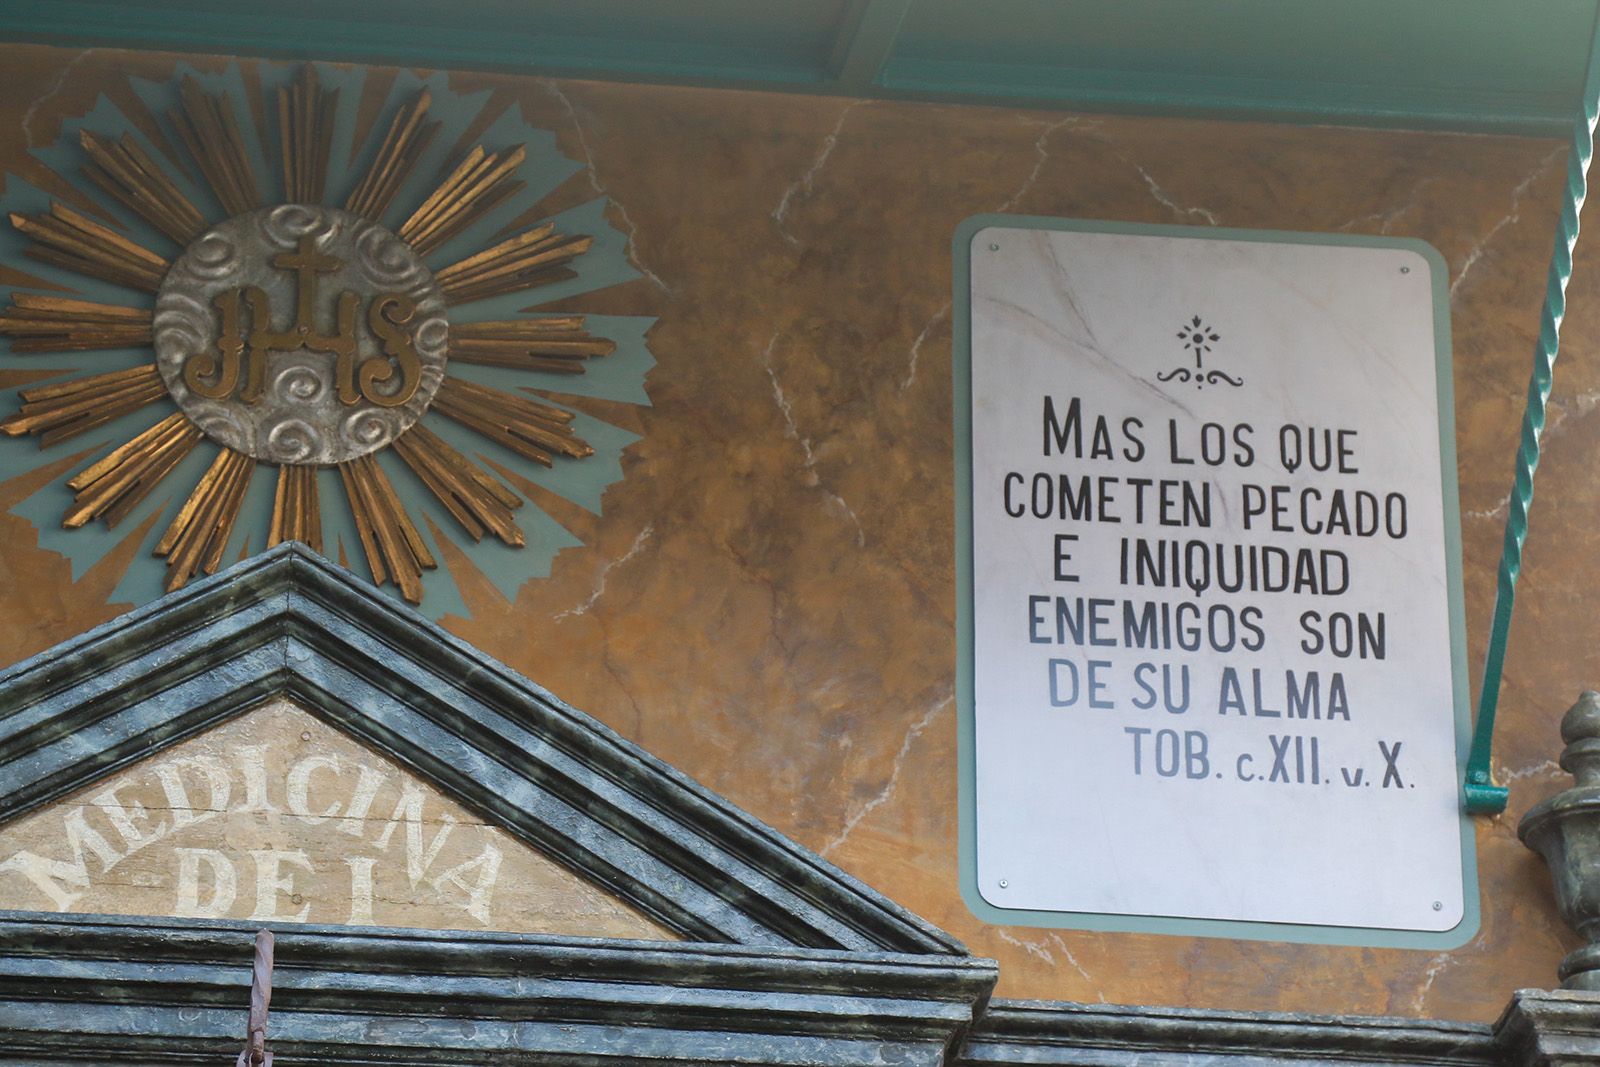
{"x":1580,"y":729}
{"x":1565,"y":830}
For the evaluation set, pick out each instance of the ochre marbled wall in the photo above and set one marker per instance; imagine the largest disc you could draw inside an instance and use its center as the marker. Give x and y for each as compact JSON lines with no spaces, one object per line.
{"x":768,"y":599}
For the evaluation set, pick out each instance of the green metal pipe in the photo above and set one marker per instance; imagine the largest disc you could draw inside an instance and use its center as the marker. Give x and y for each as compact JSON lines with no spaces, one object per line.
{"x":1482,"y":796}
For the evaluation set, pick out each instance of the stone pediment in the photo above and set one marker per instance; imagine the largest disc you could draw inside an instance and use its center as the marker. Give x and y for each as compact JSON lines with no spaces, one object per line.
{"x":274,"y":817}
{"x":94,"y":735}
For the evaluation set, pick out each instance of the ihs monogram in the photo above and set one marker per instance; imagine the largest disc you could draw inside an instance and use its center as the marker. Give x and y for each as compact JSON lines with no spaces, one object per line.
{"x":387,"y":316}
{"x":302,"y":335}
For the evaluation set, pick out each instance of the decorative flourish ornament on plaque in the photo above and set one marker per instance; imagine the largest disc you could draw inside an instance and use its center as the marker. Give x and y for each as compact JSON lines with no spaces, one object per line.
{"x":340,"y":325}
{"x":1197,"y":339}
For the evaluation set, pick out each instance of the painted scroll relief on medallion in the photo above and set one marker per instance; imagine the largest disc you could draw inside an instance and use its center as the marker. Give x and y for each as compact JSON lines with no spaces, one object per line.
{"x":275,"y":817}
{"x":344,"y":313}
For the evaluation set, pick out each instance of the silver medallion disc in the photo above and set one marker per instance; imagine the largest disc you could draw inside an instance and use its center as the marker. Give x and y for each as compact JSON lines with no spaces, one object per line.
{"x":299,"y":416}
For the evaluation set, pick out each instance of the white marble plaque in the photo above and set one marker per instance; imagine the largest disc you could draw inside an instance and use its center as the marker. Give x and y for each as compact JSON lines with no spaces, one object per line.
{"x":1211,"y":611}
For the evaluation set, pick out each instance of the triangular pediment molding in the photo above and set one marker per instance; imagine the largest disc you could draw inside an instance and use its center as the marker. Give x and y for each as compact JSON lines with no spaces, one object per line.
{"x":290,"y":624}
{"x":276,"y":817}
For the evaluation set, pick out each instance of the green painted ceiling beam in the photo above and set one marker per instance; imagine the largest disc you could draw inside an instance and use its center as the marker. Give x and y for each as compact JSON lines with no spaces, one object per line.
{"x":1483,"y":65}
{"x":1283,"y":100}
{"x":866,"y":44}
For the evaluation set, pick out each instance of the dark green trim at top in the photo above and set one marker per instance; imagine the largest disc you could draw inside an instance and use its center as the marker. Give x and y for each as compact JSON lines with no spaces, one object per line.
{"x":1490,"y":66}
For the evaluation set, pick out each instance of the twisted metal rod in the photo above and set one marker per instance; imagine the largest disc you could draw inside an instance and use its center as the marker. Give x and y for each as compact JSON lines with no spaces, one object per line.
{"x":255,"y":1052}
{"x":1482,"y":796}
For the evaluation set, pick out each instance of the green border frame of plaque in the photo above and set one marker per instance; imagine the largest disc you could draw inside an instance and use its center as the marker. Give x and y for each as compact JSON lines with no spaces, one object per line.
{"x":961,"y":343}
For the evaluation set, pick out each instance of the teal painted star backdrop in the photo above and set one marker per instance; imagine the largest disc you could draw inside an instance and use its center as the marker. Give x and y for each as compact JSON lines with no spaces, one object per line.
{"x":618,"y":376}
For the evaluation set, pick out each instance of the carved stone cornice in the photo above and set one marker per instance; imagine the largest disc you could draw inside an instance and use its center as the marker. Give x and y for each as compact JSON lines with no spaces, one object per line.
{"x":1550,"y":1029}
{"x":94,"y":989}
{"x":1041,"y":1032}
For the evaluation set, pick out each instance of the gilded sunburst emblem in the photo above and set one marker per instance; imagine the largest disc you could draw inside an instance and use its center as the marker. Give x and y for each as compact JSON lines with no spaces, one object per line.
{"x":318,"y":333}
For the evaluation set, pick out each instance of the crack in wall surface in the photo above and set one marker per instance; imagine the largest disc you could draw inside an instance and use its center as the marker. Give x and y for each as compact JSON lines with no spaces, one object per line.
{"x":1041,"y":156}
{"x":1387,"y":218}
{"x":812,"y":478}
{"x":1483,"y":514}
{"x":1073,"y":962}
{"x":610,"y":666}
{"x":1435,"y":967}
{"x":1040,"y":952}
{"x":849,"y":513}
{"x":916,"y":346}
{"x":50,"y":93}
{"x":1575,"y":409}
{"x":775,"y":614}
{"x":806,"y":181}
{"x":790,"y":429}
{"x":639,"y":541}
{"x":888,"y":790}
{"x":1172,"y":205}
{"x":1537,"y":770}
{"x":555,"y":90}
{"x":1476,"y":252}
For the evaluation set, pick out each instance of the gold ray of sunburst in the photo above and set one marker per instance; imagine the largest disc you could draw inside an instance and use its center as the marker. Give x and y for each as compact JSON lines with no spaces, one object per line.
{"x":114,"y":486}
{"x":408,"y":136}
{"x":129,"y":175}
{"x":532,"y":429}
{"x":478,"y":185}
{"x":477,"y":500}
{"x":60,"y":324}
{"x":558,"y":344}
{"x":64,"y":238}
{"x":305,"y":136}
{"x":387,"y":535}
{"x":56,"y":412}
{"x":205,"y":123}
{"x":296,"y":509}
{"x":198,"y":535}
{"x":481,"y":181}
{"x":530,"y":259}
